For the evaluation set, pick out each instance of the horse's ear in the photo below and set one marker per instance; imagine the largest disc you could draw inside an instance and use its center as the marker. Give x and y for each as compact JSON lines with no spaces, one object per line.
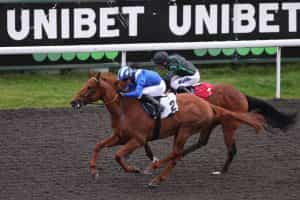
{"x":98,"y":75}
{"x":92,"y":73}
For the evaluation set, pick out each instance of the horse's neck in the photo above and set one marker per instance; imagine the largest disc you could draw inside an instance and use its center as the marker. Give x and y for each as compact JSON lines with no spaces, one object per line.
{"x":112,"y":103}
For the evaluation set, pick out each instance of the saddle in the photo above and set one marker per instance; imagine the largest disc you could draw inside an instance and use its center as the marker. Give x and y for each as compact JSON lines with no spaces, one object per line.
{"x":150,"y":108}
{"x":168,"y":102}
{"x":170,"y":107}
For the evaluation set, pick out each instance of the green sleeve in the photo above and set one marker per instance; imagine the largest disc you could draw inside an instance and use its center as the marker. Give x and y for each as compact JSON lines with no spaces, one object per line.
{"x":173,"y":67}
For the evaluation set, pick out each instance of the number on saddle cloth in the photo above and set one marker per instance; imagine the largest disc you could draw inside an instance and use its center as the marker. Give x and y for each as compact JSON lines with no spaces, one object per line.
{"x":168,"y":102}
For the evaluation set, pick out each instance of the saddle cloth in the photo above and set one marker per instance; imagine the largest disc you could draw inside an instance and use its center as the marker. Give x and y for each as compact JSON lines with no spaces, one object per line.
{"x":203,"y":90}
{"x":168,"y":102}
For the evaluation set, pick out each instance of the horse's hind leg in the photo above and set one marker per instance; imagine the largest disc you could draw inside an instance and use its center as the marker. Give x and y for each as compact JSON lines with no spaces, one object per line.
{"x":176,"y":154}
{"x":202,"y":141}
{"x":149,"y":153}
{"x":229,"y":139}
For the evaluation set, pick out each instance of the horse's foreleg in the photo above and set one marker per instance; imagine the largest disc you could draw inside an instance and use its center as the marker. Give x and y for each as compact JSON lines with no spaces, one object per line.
{"x":107,"y":142}
{"x":128,"y":148}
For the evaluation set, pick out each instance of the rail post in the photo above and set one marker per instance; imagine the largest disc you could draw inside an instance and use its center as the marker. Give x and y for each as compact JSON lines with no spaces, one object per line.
{"x":278,"y":72}
{"x":123,"y":59}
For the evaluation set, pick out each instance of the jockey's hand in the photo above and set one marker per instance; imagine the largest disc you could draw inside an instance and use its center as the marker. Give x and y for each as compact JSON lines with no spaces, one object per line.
{"x":168,"y":77}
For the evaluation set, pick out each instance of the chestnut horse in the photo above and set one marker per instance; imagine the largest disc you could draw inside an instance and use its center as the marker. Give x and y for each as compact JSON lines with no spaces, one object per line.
{"x":195,"y":115}
{"x":228,"y":97}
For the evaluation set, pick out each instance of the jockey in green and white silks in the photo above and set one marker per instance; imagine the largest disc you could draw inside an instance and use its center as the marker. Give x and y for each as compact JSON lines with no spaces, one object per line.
{"x":183,"y":73}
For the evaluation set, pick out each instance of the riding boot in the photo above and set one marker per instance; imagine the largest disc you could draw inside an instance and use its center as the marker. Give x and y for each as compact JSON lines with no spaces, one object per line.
{"x":182,"y":89}
{"x":155,"y":102}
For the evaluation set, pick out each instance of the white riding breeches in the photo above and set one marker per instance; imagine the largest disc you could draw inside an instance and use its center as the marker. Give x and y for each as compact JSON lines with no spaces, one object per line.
{"x":185,"y":81}
{"x":156,"y":90}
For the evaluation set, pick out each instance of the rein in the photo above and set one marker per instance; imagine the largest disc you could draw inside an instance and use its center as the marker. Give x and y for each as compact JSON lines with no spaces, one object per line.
{"x":112,"y":100}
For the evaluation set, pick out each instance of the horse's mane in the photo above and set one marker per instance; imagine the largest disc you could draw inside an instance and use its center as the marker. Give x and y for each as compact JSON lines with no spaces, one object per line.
{"x":108,"y":76}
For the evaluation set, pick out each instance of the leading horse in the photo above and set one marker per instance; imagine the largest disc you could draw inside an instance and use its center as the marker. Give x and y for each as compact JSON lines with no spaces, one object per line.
{"x":195,"y":115}
{"x":230,"y":98}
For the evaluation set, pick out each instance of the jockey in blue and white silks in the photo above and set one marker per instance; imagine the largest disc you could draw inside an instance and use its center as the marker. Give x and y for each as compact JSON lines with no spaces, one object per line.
{"x":142,"y":83}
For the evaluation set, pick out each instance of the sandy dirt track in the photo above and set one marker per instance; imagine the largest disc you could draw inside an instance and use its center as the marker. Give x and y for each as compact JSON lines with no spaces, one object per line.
{"x":44,"y":154}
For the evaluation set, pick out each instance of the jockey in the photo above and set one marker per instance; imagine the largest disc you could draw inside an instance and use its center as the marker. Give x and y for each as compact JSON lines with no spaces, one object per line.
{"x":183,"y":73}
{"x":143,"y":84}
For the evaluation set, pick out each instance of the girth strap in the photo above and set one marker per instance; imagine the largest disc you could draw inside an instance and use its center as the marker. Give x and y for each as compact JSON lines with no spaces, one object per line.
{"x":157,"y":125}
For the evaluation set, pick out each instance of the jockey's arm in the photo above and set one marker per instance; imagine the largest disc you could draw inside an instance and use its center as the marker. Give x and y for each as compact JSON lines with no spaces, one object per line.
{"x":168,"y":77}
{"x":138,"y":90}
{"x":136,"y":93}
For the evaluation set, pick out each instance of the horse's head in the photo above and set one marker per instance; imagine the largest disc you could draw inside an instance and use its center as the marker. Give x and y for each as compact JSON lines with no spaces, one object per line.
{"x":113,"y":81}
{"x":93,"y":90}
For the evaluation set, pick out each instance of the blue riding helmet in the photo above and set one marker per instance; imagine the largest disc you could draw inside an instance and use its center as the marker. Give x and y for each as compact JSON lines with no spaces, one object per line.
{"x":160,"y":57}
{"x":125,"y":72}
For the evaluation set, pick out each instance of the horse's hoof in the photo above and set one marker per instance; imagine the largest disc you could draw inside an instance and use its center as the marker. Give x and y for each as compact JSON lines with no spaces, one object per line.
{"x":147,"y":171}
{"x":133,"y":170}
{"x":95,"y":174}
{"x":216,"y":173}
{"x":155,"y":159}
{"x":153,"y":183}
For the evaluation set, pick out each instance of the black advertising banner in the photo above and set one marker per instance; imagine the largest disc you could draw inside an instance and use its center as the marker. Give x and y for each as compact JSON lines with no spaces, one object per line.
{"x":146,"y":21}
{"x":114,"y":22}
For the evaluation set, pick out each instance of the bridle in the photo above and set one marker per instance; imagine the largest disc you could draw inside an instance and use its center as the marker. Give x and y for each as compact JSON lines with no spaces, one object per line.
{"x":110,"y":101}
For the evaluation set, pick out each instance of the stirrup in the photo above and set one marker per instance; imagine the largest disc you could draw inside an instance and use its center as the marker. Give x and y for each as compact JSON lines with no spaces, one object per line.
{"x":155,"y":102}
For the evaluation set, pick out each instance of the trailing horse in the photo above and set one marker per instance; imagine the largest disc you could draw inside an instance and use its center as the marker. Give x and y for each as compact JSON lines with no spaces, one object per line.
{"x":195,"y":115}
{"x":228,"y":97}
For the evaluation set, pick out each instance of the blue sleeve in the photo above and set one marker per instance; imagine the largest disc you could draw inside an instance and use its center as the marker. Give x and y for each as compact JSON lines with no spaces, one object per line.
{"x":137,"y":92}
{"x":129,"y":87}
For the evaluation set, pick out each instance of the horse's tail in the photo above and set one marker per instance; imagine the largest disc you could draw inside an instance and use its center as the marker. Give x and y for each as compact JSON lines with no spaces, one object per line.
{"x":274,"y":118}
{"x":255,"y":120}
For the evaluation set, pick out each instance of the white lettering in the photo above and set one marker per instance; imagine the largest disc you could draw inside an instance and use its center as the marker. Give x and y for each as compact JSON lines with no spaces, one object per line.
{"x":202,"y":17}
{"x":46,"y":22}
{"x":84,"y":17}
{"x":265,"y":17}
{"x":243,"y":13}
{"x":173,"y":21}
{"x":225,"y":18}
{"x":292,"y":10}
{"x":65,"y":23}
{"x":105,"y":22}
{"x":11,"y":25}
{"x":133,"y":18}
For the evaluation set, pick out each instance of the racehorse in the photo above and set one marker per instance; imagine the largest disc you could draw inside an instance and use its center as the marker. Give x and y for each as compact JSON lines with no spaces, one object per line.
{"x":228,"y":97}
{"x":195,"y":115}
